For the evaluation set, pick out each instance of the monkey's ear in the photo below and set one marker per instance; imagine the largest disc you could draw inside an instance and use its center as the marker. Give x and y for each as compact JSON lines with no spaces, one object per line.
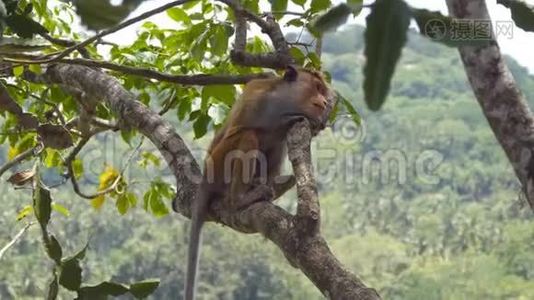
{"x":291,"y":73}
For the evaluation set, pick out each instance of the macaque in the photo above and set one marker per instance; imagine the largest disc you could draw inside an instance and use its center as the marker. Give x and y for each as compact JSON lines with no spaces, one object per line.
{"x":246,"y":154}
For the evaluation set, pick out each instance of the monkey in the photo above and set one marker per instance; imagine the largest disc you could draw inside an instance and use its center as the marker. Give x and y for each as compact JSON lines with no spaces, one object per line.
{"x":247,"y":152}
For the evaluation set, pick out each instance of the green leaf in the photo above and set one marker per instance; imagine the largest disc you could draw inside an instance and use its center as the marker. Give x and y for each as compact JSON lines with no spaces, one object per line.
{"x":53,"y":289}
{"x":35,"y":68}
{"x":157,"y":206}
{"x":522,"y":13}
{"x":179,"y":15}
{"x":24,"y":212}
{"x":77,"y":167}
{"x":52,"y":158}
{"x":71,"y":274}
{"x":149,"y":157}
{"x":446,"y":30}
{"x":333,"y":114}
{"x":224,"y":93}
{"x":190,"y":4}
{"x":297,"y":54}
{"x":102,"y":290}
{"x":60,"y":209}
{"x":100,"y":14}
{"x":252,"y":5}
{"x":53,"y":249}
{"x":200,"y":127}
{"x":218,"y":40}
{"x":127,"y":135}
{"x":297,"y":22}
{"x":3,"y":11}
{"x":122,"y":204}
{"x":355,"y":116}
{"x":24,"y":26}
{"x":132,"y":199}
{"x":41,"y":204}
{"x":319,"y":5}
{"x":299,"y":2}
{"x":385,"y":36}
{"x":332,"y":19}
{"x":144,"y":288}
{"x":198,"y":36}
{"x":278,"y":6}
{"x":184,"y":108}
{"x":314,"y":59}
{"x":18,"y":70}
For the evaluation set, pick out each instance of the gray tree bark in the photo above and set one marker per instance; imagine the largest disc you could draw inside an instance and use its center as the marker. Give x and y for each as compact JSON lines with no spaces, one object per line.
{"x":505,"y":108}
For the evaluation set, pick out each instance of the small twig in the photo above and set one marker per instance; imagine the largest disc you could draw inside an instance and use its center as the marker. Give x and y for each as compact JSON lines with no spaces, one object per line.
{"x":168,"y":105}
{"x":65,"y":43}
{"x":15,"y":239}
{"x":294,"y":13}
{"x":106,"y":124}
{"x":70,"y":158}
{"x":22,"y":156}
{"x":70,"y":170}
{"x":300,"y":44}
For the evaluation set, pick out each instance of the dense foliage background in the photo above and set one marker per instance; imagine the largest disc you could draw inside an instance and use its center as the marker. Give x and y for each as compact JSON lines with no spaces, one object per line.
{"x":462,"y":235}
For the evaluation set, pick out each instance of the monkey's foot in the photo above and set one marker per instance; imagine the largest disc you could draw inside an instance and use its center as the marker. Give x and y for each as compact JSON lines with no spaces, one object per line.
{"x":282,"y":184}
{"x":260,"y":192}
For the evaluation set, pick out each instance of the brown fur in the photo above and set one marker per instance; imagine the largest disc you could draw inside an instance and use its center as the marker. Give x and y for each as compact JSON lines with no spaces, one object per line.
{"x":254,"y":135}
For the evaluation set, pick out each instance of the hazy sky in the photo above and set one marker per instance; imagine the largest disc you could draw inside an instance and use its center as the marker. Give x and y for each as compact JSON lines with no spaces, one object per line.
{"x":520,"y":46}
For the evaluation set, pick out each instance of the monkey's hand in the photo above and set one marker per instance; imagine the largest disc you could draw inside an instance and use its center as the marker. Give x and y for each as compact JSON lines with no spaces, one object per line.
{"x":316,"y":124}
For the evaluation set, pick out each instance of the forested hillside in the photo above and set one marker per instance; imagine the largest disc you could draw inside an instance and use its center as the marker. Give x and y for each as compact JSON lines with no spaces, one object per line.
{"x":420,"y":202}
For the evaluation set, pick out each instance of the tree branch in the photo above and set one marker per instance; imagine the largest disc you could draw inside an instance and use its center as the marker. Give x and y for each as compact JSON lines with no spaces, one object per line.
{"x":19,"y":158}
{"x":15,"y":239}
{"x":198,"y":79}
{"x":505,"y":108}
{"x":308,"y":209}
{"x":68,"y":163}
{"x":278,"y":59}
{"x":310,"y":253}
{"x":65,"y":43}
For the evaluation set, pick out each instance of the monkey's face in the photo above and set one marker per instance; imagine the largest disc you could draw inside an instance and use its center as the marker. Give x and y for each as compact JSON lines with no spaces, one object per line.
{"x":313,"y":95}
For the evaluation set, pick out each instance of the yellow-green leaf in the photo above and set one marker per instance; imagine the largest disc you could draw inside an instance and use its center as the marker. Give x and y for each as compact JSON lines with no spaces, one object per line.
{"x":60,"y":209}
{"x":24,"y":212}
{"x":18,"y":70}
{"x":98,"y":201}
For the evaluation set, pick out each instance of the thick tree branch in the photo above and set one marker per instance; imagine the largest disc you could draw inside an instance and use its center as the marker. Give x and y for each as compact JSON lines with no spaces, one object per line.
{"x":308,"y":209}
{"x":310,"y":253}
{"x":502,"y":103}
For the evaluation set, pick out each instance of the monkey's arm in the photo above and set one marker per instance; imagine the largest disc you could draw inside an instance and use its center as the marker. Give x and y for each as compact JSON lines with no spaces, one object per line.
{"x":243,"y":167}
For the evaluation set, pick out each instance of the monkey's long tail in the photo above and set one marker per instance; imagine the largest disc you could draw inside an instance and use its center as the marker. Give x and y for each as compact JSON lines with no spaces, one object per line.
{"x":198,"y":215}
